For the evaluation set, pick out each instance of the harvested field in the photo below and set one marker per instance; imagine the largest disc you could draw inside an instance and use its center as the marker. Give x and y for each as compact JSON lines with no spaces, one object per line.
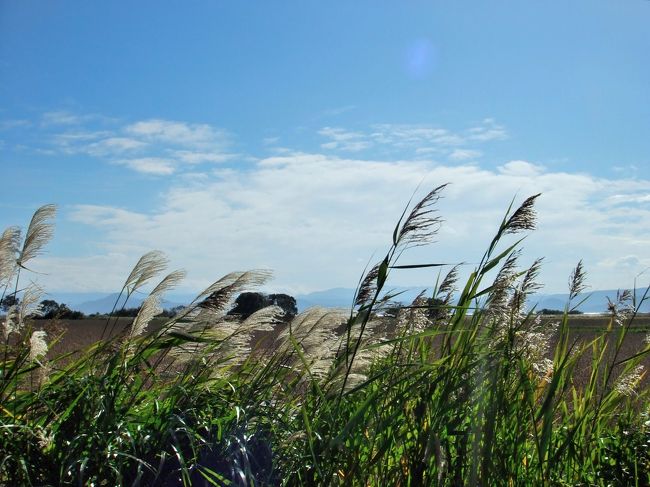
{"x":77,"y":335}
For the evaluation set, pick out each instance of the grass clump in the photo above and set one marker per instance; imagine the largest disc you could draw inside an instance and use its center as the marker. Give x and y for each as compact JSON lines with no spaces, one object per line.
{"x":465,"y":386}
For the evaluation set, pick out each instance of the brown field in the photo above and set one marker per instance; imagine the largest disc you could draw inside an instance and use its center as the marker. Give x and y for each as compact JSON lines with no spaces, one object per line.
{"x":77,"y":335}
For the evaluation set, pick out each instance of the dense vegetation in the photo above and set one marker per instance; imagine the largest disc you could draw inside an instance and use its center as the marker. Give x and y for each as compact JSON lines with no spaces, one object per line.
{"x":455,"y":391}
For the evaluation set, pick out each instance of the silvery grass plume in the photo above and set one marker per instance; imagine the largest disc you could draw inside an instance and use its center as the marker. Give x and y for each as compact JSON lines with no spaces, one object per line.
{"x":213,"y":302}
{"x":627,"y":383}
{"x":151,"y":305}
{"x":312,"y":332}
{"x":39,"y":232}
{"x":29,"y":305}
{"x":527,"y":286}
{"x":506,"y":305}
{"x":9,"y":243}
{"x":333,"y":364}
{"x":497,"y":306}
{"x":227,"y":342}
{"x":421,"y":224}
{"x":16,"y":314}
{"x":533,"y":343}
{"x":264,"y":319}
{"x":10,"y":323}
{"x":414,"y":319}
{"x":622,"y":308}
{"x":311,"y":329}
{"x":226,"y":339}
{"x":148,"y":266}
{"x":150,"y":308}
{"x":37,"y":345}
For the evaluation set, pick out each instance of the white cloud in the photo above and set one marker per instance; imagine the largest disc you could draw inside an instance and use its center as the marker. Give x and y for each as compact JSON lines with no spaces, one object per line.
{"x":316,"y":219}
{"x":154,"y":146}
{"x":200,"y":136}
{"x":629,"y":198}
{"x":333,"y":112}
{"x":150,"y":165}
{"x":487,"y":130}
{"x":65,"y":117}
{"x":421,"y":139}
{"x":464,"y":154}
{"x":404,"y":136}
{"x":190,"y":157}
{"x":113,"y":146}
{"x":15,"y":123}
{"x":520,"y":168}
{"x":344,"y":140}
{"x":60,"y":118}
{"x":270,"y":140}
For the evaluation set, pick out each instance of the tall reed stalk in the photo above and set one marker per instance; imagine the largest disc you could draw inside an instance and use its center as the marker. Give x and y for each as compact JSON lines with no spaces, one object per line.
{"x":466,"y":385}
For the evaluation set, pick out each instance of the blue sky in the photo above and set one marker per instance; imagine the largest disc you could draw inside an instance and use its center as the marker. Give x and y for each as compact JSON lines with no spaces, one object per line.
{"x":289,"y":135}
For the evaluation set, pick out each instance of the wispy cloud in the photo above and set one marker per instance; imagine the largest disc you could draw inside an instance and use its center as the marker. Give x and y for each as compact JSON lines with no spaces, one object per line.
{"x":333,"y":112}
{"x":464,"y":154}
{"x":64,"y":117}
{"x":14,"y":123}
{"x":155,"y":147}
{"x":150,"y":165}
{"x":421,"y":139}
{"x":344,"y":139}
{"x":197,"y":136}
{"x":486,"y":131}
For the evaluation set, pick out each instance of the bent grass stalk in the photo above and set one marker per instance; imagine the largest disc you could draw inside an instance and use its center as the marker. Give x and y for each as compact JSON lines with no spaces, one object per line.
{"x":444,"y":391}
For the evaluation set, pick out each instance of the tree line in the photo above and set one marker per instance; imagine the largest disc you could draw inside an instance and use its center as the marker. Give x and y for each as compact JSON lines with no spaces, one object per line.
{"x":245,"y":305}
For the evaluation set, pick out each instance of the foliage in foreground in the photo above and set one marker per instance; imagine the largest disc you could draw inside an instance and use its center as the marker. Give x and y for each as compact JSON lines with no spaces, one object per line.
{"x":461,"y":387}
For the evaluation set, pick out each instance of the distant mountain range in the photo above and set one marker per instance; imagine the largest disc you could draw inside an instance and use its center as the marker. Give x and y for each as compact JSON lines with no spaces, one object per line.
{"x":595,"y":302}
{"x":88,"y":303}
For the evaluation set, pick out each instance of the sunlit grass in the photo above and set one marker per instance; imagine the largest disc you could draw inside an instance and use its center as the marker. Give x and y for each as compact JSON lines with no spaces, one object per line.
{"x":463,"y":386}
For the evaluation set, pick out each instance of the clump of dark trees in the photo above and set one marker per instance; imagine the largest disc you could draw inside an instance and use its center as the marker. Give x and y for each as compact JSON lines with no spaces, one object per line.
{"x":546,"y":311}
{"x":248,"y":303}
{"x":48,"y":309}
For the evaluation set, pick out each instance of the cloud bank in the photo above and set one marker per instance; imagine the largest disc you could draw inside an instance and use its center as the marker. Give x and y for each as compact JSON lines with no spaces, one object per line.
{"x":317,"y":217}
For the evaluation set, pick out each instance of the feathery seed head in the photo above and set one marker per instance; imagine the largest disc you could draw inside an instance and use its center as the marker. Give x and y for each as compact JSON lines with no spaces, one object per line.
{"x":264,"y":319}
{"x":170,"y":281}
{"x":220,"y":294}
{"x":627,"y":383}
{"x":622,"y":308}
{"x":147,"y":267}
{"x":11,"y":322}
{"x":503,"y":285}
{"x":9,"y":243}
{"x":543,"y":369}
{"x":421,"y":225}
{"x":39,"y":232}
{"x":524,"y":218}
{"x":527,"y":286}
{"x":577,"y":280}
{"x":29,"y":305}
{"x":368,"y":286}
{"x":150,"y":308}
{"x":37,"y":345}
{"x":448,"y":285}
